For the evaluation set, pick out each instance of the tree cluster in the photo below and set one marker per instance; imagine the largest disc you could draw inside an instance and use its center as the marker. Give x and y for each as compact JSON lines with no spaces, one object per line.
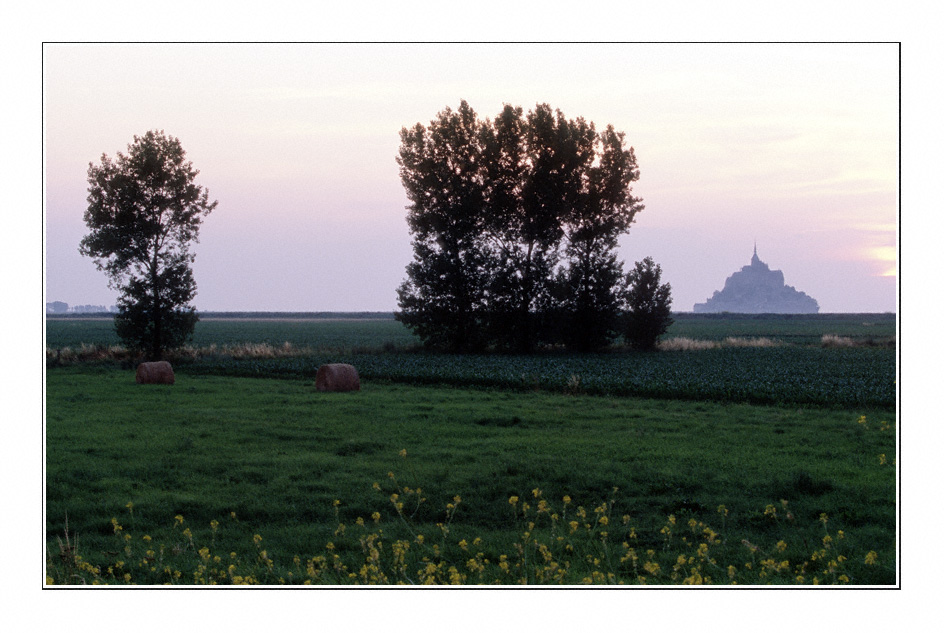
{"x":515,"y":223}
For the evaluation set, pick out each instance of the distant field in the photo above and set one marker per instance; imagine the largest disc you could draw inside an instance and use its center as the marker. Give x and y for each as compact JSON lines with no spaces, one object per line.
{"x":315,"y":333}
{"x":798,"y":329}
{"x":376,"y":330}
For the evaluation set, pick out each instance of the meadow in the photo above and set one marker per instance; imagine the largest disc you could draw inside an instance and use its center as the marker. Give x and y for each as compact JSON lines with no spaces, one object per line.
{"x":243,"y":473}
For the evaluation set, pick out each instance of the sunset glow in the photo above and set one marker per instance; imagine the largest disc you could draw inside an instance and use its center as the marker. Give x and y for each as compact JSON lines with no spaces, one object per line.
{"x":887,"y":256}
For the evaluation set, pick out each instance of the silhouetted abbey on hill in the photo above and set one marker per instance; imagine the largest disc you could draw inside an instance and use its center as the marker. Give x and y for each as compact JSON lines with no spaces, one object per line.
{"x":756,"y":289}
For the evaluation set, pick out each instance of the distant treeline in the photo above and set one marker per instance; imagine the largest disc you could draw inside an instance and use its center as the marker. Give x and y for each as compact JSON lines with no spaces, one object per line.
{"x":296,"y":315}
{"x":65,"y":316}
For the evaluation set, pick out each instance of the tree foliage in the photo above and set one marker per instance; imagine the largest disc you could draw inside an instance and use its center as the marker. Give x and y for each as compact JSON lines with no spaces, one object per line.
{"x":515,"y":222}
{"x":649,"y":303}
{"x":144,"y":210}
{"x":443,"y":298}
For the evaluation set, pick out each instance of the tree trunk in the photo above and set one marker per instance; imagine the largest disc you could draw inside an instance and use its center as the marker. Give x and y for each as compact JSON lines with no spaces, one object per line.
{"x":156,"y":311}
{"x":524,"y":341}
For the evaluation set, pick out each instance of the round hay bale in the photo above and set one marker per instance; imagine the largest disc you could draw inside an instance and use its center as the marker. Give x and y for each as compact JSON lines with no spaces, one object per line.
{"x":337,"y":377}
{"x":156,"y":373}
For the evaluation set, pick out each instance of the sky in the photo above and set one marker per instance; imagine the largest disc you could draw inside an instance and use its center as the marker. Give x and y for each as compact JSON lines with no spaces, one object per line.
{"x":794,"y":146}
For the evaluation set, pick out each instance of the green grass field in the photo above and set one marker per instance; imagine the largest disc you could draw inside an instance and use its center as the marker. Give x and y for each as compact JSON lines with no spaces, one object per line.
{"x":275,"y":482}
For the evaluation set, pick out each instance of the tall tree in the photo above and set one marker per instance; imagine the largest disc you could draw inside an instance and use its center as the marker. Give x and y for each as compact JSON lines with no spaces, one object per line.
{"x":536,"y":164}
{"x":144,"y":210}
{"x":649,"y":305}
{"x":443,"y":298}
{"x":602,"y":210}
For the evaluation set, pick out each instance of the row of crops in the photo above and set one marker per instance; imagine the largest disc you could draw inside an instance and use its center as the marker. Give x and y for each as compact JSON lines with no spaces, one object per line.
{"x":852,"y":377}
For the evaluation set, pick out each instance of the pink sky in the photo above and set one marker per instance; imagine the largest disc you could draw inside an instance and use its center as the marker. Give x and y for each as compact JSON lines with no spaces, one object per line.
{"x":792,"y":145}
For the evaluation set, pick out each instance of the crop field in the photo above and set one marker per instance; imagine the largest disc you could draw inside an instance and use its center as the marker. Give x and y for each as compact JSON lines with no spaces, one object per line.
{"x":853,"y":377}
{"x":749,"y":465}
